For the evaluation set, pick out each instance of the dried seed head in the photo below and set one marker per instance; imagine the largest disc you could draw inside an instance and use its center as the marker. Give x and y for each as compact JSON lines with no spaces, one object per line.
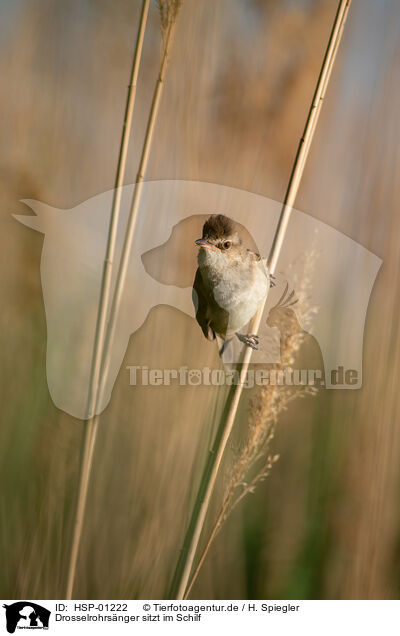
{"x":253,"y":461}
{"x":168,"y":10}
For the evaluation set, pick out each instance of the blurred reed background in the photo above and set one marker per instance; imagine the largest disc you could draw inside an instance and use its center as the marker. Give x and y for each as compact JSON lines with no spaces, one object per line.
{"x":325,"y":524}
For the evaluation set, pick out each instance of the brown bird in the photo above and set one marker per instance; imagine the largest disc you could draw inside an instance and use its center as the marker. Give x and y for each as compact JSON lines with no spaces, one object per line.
{"x":231,"y":282}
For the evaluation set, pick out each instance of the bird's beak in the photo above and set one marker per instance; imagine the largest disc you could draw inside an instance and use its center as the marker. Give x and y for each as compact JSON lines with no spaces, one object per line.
{"x":203,"y":243}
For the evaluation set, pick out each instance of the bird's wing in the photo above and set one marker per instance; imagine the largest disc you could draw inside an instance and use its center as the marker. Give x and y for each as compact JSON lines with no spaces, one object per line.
{"x":261,"y":260}
{"x":263,"y":263}
{"x":199,"y":296}
{"x":255,"y":255}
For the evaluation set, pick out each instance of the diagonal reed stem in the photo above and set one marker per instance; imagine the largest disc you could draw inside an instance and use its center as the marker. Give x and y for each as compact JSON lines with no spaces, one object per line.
{"x":89,"y":432}
{"x":133,"y":214}
{"x":187,"y":555}
{"x":91,"y":427}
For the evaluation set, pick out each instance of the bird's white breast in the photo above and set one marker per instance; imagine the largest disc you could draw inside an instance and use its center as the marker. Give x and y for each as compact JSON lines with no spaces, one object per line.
{"x":239,"y":288}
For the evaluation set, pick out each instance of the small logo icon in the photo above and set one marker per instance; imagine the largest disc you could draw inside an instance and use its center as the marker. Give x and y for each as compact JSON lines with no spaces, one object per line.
{"x":26,"y":615}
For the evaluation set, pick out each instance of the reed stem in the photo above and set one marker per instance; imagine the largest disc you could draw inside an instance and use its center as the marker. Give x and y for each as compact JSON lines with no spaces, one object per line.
{"x":90,"y":427}
{"x":187,"y":555}
{"x":133,"y":214}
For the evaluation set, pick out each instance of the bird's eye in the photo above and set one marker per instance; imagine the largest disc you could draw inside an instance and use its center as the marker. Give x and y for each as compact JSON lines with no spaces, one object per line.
{"x":227,"y":245}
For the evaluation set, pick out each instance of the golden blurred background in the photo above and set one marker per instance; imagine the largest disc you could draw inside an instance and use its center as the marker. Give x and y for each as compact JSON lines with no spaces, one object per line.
{"x":325,"y":524}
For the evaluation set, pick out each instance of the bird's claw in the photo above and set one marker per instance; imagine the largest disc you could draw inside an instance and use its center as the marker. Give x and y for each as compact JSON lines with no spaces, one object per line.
{"x":250,"y":339}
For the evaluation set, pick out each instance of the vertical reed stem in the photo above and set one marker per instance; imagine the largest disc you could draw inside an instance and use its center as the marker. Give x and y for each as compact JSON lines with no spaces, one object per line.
{"x":133,"y":213}
{"x":96,"y":395}
{"x":208,"y":480}
{"x":90,"y":428}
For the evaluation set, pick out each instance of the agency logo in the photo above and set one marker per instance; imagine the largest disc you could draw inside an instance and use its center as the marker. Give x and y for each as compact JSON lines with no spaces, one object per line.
{"x":26,"y":615}
{"x":331,"y":274}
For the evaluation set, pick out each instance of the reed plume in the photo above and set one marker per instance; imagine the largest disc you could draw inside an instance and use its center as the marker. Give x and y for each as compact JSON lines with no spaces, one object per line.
{"x":168,"y":10}
{"x":255,"y":459}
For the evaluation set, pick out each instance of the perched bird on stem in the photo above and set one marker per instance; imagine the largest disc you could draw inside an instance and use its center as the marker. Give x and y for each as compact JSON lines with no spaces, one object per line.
{"x":231,"y":282}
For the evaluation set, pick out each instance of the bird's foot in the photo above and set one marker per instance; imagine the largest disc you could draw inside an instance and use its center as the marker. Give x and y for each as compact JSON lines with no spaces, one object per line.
{"x":249,"y":339}
{"x":272,"y":279}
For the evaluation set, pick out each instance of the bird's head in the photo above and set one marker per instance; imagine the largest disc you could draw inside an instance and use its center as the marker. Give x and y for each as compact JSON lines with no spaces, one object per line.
{"x":221,"y":239}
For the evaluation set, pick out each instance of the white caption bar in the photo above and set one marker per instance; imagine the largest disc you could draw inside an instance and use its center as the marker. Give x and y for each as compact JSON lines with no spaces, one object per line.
{"x":198,"y":617}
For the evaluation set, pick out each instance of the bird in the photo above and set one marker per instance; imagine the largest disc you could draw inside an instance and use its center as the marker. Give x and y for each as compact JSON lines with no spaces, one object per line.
{"x":230,"y":284}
